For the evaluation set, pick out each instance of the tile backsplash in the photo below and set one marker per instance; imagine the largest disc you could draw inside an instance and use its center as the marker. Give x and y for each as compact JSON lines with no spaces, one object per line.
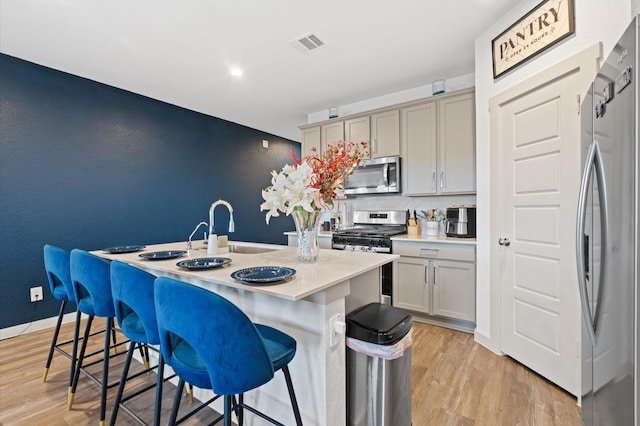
{"x":398,"y":202}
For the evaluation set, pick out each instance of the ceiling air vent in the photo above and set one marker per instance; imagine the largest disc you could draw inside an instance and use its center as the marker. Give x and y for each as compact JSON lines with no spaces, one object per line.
{"x":307,"y":43}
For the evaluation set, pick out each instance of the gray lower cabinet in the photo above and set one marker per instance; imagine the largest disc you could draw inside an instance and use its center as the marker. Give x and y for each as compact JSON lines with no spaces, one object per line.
{"x":436,"y":279}
{"x":454,"y":289}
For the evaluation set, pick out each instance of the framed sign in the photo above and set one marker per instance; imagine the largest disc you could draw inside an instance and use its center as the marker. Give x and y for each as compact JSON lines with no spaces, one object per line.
{"x":545,"y":25}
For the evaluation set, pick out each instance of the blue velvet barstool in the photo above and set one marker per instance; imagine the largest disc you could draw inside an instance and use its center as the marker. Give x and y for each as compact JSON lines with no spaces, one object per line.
{"x":56,"y":265}
{"x":91,"y":279}
{"x":132,"y":290}
{"x":212,"y":344}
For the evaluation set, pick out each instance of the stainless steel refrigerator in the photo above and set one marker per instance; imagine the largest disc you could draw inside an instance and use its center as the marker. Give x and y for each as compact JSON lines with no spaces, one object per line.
{"x":607,"y":239}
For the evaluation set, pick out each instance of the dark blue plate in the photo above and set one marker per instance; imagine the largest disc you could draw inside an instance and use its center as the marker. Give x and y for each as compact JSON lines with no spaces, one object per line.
{"x":204,"y":263}
{"x":263,"y":274}
{"x":123,"y":249}
{"x":162,"y":255}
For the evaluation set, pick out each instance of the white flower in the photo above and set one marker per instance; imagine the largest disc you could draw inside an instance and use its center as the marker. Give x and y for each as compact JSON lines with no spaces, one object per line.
{"x":289,"y":189}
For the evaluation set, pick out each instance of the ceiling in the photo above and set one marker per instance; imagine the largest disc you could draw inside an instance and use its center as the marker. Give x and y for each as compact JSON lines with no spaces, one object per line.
{"x":181,"y":51}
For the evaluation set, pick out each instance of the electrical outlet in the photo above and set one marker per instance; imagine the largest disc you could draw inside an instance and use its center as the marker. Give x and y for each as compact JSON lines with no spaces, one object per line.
{"x":36,"y":293}
{"x":337,"y":327}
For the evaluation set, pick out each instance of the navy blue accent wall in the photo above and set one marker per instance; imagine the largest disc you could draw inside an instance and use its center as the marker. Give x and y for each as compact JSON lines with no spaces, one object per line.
{"x":87,"y":165}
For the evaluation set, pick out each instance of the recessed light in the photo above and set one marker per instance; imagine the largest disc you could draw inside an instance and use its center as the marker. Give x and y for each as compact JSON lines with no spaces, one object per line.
{"x":236,"y":72}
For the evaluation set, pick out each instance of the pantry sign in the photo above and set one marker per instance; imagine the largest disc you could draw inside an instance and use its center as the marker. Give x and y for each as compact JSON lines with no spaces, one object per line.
{"x":545,"y":25}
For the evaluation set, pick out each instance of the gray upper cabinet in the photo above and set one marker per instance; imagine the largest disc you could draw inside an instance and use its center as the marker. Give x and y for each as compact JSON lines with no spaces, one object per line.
{"x":385,"y":134}
{"x":381,"y":131}
{"x":419,"y":171}
{"x":457,"y":144}
{"x":331,"y":133}
{"x":435,"y":138}
{"x":358,"y":130}
{"x":438,"y":145}
{"x":310,"y":140}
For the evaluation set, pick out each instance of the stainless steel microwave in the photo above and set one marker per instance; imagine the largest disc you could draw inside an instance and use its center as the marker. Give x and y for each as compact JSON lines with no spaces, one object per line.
{"x":375,"y":176}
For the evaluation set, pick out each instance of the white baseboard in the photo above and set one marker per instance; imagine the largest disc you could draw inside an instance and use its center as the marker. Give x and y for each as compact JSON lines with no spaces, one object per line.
{"x":30,"y":327}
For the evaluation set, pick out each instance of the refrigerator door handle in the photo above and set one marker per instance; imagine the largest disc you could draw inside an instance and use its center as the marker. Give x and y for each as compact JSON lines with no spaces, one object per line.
{"x":594,"y":162}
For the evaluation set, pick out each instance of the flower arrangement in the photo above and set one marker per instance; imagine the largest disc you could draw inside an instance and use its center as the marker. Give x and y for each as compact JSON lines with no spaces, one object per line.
{"x":312,"y":182}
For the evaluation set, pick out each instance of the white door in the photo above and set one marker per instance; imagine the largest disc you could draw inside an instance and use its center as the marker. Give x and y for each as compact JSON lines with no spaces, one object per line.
{"x":538,"y":135}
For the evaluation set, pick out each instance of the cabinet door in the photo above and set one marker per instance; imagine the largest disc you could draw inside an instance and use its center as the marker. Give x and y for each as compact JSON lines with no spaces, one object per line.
{"x":385,"y":134}
{"x":357,"y":130}
{"x":419,"y":149}
{"x":411,"y":288}
{"x":457,"y":144}
{"x":310,"y":140}
{"x":454,"y":289}
{"x":332,"y":133}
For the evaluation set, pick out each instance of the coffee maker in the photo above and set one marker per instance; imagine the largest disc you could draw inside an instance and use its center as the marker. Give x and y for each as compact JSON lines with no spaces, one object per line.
{"x":461,"y":221}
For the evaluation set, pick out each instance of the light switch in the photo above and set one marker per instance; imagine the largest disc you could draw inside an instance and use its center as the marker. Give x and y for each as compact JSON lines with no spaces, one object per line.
{"x":265,"y":143}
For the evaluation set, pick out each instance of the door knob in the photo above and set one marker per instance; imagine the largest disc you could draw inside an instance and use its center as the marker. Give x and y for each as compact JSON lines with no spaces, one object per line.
{"x":504,"y":242}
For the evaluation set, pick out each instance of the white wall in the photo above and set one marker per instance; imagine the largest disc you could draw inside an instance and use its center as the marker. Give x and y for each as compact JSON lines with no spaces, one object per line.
{"x":596,"y":21}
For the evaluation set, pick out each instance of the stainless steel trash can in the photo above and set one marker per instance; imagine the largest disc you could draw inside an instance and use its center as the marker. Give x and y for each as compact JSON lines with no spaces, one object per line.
{"x":379,"y":366}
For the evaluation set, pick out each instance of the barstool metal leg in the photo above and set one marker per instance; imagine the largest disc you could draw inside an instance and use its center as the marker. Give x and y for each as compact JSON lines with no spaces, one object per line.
{"x":227,"y":410}
{"x":105,"y":369}
{"x":115,"y":340}
{"x":292,"y":395}
{"x":176,"y":403}
{"x":158,"y":410}
{"x":54,"y":340}
{"x":78,"y":364}
{"x":123,"y":380}
{"x":74,"y":351}
{"x":145,"y":357}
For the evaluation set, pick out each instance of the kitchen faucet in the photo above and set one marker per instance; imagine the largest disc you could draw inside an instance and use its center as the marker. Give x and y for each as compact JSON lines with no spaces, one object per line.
{"x":194,"y":231}
{"x":212,"y":246}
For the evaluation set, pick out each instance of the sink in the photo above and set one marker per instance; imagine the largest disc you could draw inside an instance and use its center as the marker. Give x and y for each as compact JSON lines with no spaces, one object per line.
{"x":249,"y":249}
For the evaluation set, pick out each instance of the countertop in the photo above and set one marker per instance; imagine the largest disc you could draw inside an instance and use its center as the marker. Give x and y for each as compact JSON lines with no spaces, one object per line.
{"x":333,"y":267}
{"x":438,"y":239}
{"x":406,"y":237}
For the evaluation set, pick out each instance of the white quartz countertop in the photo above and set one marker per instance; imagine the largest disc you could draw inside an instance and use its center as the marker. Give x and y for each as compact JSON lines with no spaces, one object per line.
{"x":438,"y":239}
{"x":333,"y":267}
{"x":406,"y":237}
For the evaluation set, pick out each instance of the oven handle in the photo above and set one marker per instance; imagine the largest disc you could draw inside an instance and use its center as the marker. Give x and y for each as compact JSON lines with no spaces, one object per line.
{"x":337,"y":246}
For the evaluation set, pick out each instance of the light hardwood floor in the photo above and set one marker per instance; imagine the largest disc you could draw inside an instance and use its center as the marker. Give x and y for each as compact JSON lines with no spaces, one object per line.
{"x":455,"y":381}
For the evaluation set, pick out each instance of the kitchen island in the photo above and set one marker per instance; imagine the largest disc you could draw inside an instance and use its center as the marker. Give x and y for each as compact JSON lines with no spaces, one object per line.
{"x":305,"y":307}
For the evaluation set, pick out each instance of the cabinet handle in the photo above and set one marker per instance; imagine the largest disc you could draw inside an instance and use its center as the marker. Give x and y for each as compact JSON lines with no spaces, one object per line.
{"x":426,"y":274}
{"x":435,"y":274}
{"x":374,"y":146}
{"x":441,"y":179}
{"x":429,"y":252}
{"x":433,"y":180}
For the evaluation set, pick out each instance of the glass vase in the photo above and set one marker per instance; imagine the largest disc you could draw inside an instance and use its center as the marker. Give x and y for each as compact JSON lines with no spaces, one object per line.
{"x":307,"y":230}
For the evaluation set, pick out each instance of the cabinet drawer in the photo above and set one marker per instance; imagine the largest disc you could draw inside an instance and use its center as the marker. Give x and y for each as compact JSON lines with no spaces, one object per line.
{"x":460,"y":252}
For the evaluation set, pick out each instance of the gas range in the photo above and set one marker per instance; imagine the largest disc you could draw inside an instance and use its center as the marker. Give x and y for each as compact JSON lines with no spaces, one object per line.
{"x":372,"y":231}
